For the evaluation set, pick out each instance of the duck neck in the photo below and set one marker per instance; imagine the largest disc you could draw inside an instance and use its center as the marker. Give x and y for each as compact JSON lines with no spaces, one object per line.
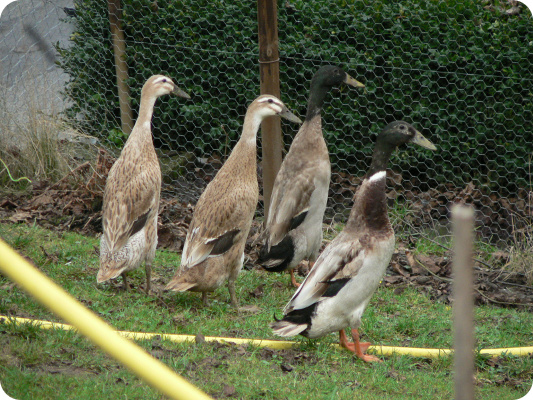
{"x":370,"y":208}
{"x":315,"y":102}
{"x":146,"y":111}
{"x":251,"y":125}
{"x":245,"y":151}
{"x":380,"y":158}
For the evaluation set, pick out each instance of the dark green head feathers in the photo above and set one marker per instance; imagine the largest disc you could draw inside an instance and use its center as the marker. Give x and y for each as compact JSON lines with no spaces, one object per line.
{"x":330,"y":76}
{"x":399,"y":132}
{"x":325,"y":78}
{"x":393,"y":135}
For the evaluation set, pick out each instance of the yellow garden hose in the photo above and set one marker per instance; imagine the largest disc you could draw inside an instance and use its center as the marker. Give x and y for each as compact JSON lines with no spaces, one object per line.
{"x":137,"y":360}
{"x":100,"y":333}
{"x":274,"y":344}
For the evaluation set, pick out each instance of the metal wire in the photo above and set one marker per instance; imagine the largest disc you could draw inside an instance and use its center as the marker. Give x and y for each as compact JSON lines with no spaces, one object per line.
{"x":198,"y":141}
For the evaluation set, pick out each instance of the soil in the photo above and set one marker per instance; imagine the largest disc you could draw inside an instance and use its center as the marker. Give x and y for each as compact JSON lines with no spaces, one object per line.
{"x":74,"y":204}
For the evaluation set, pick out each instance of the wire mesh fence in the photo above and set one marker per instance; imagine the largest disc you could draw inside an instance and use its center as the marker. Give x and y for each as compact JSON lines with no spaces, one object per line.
{"x":458,"y":71}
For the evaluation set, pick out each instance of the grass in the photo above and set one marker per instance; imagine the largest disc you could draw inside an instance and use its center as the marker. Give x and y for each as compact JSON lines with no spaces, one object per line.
{"x":35,"y":153}
{"x":41,"y":364}
{"x":521,"y":252}
{"x":31,"y":147}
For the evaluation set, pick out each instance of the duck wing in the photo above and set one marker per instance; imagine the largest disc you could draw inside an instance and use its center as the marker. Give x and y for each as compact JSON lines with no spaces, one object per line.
{"x":220,"y":220}
{"x":293,"y":196}
{"x":338,"y":263}
{"x":129,"y":203}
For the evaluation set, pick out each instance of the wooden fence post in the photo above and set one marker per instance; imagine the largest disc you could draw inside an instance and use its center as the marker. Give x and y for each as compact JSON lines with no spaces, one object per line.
{"x":121,"y":68}
{"x":463,"y":302}
{"x":271,"y":138}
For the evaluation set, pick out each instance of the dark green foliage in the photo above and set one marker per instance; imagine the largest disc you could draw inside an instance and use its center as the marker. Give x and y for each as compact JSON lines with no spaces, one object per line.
{"x":458,"y":70}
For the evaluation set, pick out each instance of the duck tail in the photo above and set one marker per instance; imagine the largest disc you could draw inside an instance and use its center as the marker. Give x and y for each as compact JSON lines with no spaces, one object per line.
{"x":106,"y":272}
{"x":112,"y":264}
{"x":276,"y":258}
{"x":178,"y":285}
{"x":286,"y":328}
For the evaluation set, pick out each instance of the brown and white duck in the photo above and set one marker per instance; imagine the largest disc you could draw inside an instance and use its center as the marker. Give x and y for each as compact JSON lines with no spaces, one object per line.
{"x":337,"y":290}
{"x":214,"y":247}
{"x":131,"y":195}
{"x":293,"y":230}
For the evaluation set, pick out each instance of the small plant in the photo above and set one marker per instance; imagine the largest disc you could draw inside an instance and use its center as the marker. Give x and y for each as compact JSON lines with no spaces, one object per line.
{"x":437,"y":246}
{"x":29,"y":145}
{"x":521,"y":253}
{"x":117,"y":137}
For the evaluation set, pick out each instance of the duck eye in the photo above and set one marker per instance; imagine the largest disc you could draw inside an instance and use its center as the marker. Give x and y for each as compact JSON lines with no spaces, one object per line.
{"x":270,"y":101}
{"x":402,"y":127}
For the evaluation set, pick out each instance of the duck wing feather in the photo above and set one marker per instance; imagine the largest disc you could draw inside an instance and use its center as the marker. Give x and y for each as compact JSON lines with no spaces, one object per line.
{"x":129,"y":203}
{"x":221,"y":218}
{"x":338,"y":263}
{"x":292,"y":196}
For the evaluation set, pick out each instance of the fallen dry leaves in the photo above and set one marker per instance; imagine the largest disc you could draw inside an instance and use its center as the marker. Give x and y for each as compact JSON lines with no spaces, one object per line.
{"x":74,"y":203}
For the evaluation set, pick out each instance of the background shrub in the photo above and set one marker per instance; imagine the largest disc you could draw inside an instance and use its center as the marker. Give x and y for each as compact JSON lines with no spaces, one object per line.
{"x":458,"y":70}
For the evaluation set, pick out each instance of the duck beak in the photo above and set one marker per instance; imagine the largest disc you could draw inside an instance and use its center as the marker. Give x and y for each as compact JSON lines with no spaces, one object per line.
{"x":420,"y":140}
{"x":352,"y":82}
{"x":285,"y":113}
{"x":180,"y":93}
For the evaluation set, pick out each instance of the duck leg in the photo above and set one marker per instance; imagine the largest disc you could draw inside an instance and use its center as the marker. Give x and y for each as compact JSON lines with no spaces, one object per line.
{"x":357,"y":347}
{"x":204,"y":299}
{"x":310,"y":265}
{"x":232,"y":295}
{"x":293,"y":279}
{"x":125,"y":280}
{"x":148,"y":269}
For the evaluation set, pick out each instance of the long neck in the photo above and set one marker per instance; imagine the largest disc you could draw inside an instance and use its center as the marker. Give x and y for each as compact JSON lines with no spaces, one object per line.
{"x":245,"y":151}
{"x":380,"y":158}
{"x":315,"y":103}
{"x":370,"y":208}
{"x":146,"y":110}
{"x":251,"y":125}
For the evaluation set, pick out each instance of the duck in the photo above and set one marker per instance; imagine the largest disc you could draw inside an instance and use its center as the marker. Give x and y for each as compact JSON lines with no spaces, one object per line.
{"x":131,"y":195}
{"x":293,"y":229}
{"x":337,"y":290}
{"x":213,"y":252}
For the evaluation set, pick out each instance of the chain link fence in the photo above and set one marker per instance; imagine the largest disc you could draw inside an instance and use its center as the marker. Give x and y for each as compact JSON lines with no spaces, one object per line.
{"x":458,"y":71}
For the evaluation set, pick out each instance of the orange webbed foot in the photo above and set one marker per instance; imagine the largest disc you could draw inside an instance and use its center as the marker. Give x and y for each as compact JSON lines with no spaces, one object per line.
{"x":293,"y":280}
{"x":358,"y":348}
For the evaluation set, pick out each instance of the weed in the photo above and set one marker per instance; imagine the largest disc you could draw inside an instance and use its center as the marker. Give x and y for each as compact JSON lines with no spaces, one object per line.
{"x":521,"y":252}
{"x":31,"y":145}
{"x":35,"y":153}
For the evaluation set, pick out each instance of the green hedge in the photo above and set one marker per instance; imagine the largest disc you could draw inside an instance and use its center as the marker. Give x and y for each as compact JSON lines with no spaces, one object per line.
{"x":458,"y":70}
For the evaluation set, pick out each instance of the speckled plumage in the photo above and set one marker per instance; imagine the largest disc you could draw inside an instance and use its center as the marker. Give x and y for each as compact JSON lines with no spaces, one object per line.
{"x":214,"y":247}
{"x":293,"y":231}
{"x":131,"y":195}
{"x":337,"y":290}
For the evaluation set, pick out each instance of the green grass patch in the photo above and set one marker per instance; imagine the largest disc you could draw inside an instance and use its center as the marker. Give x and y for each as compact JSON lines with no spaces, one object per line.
{"x":41,"y":364}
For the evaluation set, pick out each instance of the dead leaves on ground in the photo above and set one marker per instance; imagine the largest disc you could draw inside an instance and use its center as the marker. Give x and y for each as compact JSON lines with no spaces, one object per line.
{"x":74,"y":203}
{"x":433,"y":275}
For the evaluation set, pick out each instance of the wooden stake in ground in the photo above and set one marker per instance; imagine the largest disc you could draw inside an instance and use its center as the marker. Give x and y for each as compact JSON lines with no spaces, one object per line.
{"x":121,"y":68}
{"x":271,"y":138}
{"x":463,"y":306}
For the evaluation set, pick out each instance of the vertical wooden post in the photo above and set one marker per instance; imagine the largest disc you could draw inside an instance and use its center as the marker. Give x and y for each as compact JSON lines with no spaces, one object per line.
{"x":271,"y":138}
{"x":463,"y":306}
{"x":121,"y":68}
